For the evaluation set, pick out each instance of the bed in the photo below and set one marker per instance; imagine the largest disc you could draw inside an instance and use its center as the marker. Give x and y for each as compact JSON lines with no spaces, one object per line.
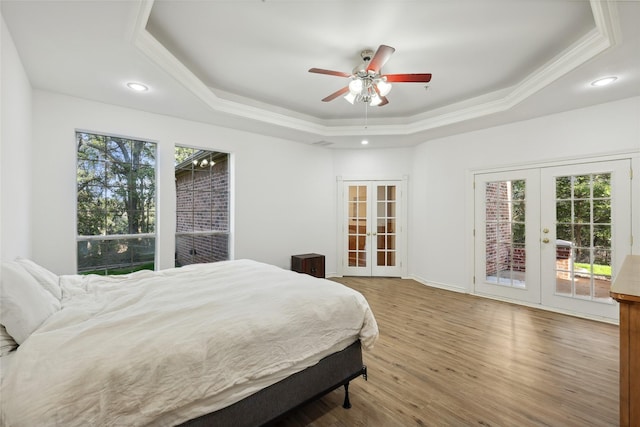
{"x":227,"y":343}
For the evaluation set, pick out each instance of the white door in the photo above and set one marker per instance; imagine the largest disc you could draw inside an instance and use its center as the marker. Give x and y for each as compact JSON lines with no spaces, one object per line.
{"x":372,"y":235}
{"x":506,"y":228}
{"x":554,"y":236}
{"x":586,"y":234}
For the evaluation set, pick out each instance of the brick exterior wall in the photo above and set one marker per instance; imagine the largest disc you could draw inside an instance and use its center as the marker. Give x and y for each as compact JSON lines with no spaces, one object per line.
{"x":498,"y":231}
{"x":564,"y":261}
{"x":501,"y":254}
{"x":202,"y":204}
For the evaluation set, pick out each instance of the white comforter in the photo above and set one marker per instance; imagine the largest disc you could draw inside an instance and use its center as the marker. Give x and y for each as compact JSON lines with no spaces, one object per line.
{"x":162,"y":347}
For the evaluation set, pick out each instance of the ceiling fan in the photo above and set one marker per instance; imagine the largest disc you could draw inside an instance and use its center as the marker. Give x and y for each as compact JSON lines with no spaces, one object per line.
{"x":367,"y":83}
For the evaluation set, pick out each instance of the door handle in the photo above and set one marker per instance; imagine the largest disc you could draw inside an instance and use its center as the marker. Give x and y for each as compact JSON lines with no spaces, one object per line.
{"x":545,"y":240}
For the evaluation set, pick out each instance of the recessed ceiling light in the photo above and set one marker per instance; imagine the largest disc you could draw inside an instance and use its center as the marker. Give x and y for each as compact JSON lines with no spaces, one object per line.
{"x":138,"y":87}
{"x":604,"y":81}
{"x":364,"y":142}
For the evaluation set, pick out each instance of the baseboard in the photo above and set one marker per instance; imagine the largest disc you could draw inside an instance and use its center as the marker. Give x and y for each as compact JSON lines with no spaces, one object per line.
{"x":438,"y":285}
{"x":517,"y":302}
{"x":551,"y":309}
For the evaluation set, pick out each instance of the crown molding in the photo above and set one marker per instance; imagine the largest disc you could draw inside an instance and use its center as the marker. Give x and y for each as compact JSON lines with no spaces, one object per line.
{"x":606,"y":34}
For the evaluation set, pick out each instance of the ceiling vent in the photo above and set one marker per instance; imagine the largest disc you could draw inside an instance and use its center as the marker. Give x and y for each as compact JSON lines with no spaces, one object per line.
{"x":322,"y":143}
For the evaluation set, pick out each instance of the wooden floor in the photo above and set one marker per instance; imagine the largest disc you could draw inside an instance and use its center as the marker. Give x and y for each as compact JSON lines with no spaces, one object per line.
{"x":450,"y":359}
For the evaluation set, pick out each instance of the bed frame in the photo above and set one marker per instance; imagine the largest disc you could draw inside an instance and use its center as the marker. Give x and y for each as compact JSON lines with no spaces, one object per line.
{"x":270,"y":404}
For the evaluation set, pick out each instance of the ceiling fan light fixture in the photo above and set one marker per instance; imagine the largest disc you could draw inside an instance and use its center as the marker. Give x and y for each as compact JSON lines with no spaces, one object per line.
{"x":355,"y":86}
{"x":350,"y":97}
{"x":383,"y":87}
{"x":367,"y":83}
{"x":375,"y":100}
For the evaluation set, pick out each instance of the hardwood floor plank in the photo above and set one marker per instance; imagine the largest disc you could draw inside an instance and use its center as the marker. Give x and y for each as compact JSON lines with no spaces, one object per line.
{"x":450,"y":359}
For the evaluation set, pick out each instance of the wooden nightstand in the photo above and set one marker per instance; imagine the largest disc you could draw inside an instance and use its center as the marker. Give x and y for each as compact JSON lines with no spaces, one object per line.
{"x":311,"y":264}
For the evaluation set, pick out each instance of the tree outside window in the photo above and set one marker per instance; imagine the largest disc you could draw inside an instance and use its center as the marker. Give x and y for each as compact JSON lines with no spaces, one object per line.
{"x":116,"y":204}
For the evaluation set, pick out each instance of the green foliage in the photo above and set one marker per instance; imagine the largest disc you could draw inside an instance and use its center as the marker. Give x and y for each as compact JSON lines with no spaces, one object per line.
{"x":183,"y":153}
{"x":583,"y":210}
{"x":598,"y":269}
{"x":115,"y":196}
{"x":115,"y":185}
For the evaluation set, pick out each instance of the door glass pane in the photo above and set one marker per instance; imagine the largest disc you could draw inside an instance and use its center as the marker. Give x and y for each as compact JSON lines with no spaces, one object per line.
{"x":357,"y":225}
{"x":391,"y":225}
{"x":353,"y":192}
{"x":353,"y":243}
{"x":391,"y":209}
{"x":391,"y":242}
{"x":391,"y":258}
{"x":583,"y":232}
{"x":391,"y":192}
{"x":386,"y":225}
{"x":505,"y":233}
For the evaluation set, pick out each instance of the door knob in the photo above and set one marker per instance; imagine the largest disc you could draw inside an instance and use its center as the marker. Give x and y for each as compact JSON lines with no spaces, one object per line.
{"x":545,"y":230}
{"x":545,"y":240}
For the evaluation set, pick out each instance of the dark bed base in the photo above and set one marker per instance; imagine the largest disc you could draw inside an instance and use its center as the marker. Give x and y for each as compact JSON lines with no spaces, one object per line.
{"x":271,"y":403}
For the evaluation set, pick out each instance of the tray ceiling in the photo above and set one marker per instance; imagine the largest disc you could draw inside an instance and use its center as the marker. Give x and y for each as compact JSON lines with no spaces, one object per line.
{"x":244,"y":64}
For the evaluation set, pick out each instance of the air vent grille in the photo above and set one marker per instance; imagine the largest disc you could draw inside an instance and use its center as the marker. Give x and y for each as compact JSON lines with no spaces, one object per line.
{"x":322,"y":143}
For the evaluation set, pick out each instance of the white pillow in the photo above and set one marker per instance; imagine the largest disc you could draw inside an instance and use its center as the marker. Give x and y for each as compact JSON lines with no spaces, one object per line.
{"x":7,"y":343}
{"x":46,"y":278}
{"x":24,"y":304}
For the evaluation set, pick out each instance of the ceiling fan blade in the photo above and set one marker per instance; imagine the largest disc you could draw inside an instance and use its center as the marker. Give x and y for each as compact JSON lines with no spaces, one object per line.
{"x":381,"y":57}
{"x":408,"y":78}
{"x":329,"y":72}
{"x":336,"y":94}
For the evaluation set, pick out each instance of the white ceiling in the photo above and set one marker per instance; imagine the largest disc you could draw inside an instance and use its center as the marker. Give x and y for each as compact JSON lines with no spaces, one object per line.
{"x":244,"y":64}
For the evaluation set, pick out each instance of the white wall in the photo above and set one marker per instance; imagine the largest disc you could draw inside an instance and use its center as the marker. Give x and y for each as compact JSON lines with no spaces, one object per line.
{"x":15,"y":152}
{"x":442,"y":209}
{"x":370,"y":163}
{"x":282,"y":190}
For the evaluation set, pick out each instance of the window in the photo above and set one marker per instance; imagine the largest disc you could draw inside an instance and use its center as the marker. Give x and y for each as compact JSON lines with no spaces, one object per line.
{"x":202,"y":211}
{"x":116,"y":204}
{"x":505,"y":232}
{"x":583,"y":229}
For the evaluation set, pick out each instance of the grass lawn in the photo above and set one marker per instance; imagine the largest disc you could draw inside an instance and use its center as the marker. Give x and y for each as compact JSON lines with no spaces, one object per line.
{"x":598,"y":270}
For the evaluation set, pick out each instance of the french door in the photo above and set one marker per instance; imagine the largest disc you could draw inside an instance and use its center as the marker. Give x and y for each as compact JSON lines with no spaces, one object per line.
{"x":372,"y":234}
{"x":586,"y":234}
{"x":554,"y":236}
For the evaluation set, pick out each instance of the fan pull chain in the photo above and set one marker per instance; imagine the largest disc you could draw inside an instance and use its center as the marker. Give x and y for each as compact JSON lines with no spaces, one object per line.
{"x":366,"y":111}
